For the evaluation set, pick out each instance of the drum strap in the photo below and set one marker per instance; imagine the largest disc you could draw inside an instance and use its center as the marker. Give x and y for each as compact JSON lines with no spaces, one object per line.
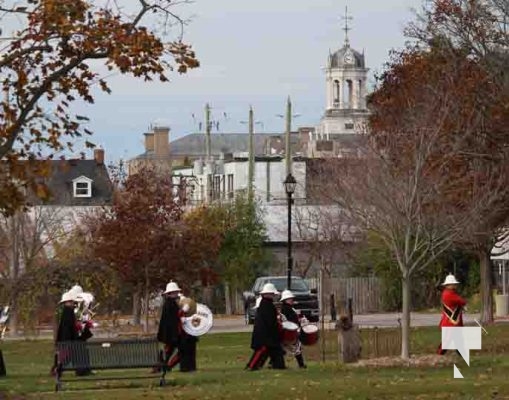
{"x":452,"y":314}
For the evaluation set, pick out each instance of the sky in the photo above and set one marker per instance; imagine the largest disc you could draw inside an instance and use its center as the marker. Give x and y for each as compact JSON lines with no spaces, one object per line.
{"x":251,"y":53}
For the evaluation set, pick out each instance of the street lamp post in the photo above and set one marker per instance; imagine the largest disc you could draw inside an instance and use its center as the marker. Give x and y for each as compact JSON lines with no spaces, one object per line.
{"x":290,"y":184}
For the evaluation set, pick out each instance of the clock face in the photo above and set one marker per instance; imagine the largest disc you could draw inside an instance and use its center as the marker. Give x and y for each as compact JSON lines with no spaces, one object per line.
{"x":348,"y":58}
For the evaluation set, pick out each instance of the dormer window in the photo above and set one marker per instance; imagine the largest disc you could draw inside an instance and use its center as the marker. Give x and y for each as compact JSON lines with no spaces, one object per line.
{"x":82,"y":187}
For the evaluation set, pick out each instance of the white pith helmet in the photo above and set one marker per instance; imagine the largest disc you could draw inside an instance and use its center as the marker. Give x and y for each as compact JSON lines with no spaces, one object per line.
{"x":450,"y":280}
{"x":287,"y":294}
{"x":85,"y":297}
{"x":172,"y":287}
{"x":76,"y":290}
{"x":269,"y":288}
{"x":67,"y":296}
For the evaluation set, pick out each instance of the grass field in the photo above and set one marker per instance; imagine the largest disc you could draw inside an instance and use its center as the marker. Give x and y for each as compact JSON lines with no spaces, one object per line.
{"x":222,"y":357}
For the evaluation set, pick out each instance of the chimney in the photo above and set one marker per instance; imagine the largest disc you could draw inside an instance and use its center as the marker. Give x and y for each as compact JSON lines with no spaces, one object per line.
{"x":161,"y":141}
{"x":149,"y":141}
{"x":99,"y":156}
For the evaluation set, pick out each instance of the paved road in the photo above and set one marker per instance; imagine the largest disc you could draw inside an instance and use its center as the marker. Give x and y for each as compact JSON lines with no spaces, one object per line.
{"x":237,"y":324}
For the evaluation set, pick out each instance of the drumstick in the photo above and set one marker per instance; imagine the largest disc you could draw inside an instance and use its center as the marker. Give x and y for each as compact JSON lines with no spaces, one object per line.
{"x":477,"y":322}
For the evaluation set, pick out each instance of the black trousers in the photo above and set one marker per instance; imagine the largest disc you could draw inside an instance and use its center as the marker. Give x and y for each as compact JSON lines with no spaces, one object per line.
{"x":261,"y":354}
{"x":187,"y":350}
{"x":171,"y":356}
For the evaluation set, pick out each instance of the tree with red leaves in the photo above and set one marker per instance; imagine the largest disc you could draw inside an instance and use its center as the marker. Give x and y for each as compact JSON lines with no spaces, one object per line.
{"x":431,"y":173}
{"x":143,"y":235}
{"x":479,"y":30}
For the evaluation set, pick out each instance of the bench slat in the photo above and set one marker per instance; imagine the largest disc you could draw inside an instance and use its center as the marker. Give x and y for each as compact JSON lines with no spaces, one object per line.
{"x":115,"y":354}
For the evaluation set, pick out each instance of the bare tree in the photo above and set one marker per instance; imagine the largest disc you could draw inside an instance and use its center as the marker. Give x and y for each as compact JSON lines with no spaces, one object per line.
{"x":327,"y":236}
{"x":416,"y":184}
{"x":26,"y":240}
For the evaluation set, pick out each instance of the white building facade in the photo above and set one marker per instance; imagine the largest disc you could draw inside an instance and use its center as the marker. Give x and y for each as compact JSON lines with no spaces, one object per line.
{"x":219,"y":180}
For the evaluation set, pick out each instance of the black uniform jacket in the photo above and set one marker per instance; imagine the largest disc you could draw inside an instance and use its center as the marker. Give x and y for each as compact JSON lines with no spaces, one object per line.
{"x":266,"y":331}
{"x":290,"y":314}
{"x":168,"y":332}
{"x":67,"y":325}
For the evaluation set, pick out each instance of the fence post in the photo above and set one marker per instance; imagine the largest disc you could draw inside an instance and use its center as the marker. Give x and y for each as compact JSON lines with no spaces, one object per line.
{"x":333,"y":314}
{"x":350,"y":310}
{"x":376,"y":341}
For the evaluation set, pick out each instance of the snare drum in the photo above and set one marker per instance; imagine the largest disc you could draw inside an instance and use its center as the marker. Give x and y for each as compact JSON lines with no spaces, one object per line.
{"x":309,"y":335}
{"x":290,"y":332}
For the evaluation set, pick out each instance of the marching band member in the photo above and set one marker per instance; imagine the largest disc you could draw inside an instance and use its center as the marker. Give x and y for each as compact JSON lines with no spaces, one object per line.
{"x":68,"y":328}
{"x":452,"y":306}
{"x":170,"y":326}
{"x":187,"y":345}
{"x":287,"y":299}
{"x":265,"y":340}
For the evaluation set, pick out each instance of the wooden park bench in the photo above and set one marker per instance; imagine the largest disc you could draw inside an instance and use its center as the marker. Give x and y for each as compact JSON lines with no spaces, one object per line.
{"x":108,"y":354}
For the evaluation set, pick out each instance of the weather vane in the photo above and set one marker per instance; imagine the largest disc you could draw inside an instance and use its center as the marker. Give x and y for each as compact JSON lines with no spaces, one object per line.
{"x":346,"y":18}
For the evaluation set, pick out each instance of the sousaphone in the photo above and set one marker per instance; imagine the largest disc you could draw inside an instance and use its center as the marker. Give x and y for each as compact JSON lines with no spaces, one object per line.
{"x":199,"y":323}
{"x":191,"y":309}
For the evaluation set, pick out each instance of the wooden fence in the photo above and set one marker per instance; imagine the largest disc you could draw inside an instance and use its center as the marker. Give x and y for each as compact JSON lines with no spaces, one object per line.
{"x":364,"y":292}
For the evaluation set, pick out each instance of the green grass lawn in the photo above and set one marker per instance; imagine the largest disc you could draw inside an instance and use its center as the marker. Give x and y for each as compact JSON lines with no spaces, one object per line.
{"x":222,"y":357}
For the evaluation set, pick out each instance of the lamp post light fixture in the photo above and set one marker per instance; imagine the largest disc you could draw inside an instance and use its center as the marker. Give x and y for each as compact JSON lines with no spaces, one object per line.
{"x":290,"y":184}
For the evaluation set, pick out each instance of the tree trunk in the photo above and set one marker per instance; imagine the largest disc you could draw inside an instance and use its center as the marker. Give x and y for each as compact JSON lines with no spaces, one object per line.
{"x":147,"y":298}
{"x":405,"y":318}
{"x":147,"y":310}
{"x":207,"y":296}
{"x":227,"y":299}
{"x":14,"y":272}
{"x":486,"y":287}
{"x":13,"y":319}
{"x":137,"y":305}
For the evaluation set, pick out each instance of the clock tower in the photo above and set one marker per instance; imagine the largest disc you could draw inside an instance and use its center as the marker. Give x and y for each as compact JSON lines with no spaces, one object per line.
{"x":346,"y":79}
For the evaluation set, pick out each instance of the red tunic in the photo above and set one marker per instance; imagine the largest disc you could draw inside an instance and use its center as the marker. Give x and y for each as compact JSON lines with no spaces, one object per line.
{"x":452,"y":308}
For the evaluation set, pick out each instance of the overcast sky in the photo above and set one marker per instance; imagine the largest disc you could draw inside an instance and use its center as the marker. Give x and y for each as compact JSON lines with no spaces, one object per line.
{"x":251,"y":52}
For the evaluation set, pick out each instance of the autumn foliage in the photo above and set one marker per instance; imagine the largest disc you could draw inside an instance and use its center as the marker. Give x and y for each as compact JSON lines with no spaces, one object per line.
{"x":450,"y":101}
{"x":49,"y":63}
{"x":455,"y":87}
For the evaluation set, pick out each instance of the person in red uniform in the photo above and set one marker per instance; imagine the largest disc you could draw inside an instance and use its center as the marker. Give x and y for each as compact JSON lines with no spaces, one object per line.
{"x":452,"y":306}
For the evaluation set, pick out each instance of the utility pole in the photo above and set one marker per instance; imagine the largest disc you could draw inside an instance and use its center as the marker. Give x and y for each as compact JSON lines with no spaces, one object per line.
{"x":207,"y":132}
{"x":251,"y":156}
{"x":288,"y":144}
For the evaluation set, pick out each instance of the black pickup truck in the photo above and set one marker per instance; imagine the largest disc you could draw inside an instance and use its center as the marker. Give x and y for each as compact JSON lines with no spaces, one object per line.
{"x":306,"y":300}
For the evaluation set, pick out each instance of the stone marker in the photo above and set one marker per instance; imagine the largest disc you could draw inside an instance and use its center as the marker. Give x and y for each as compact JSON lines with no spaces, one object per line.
{"x":349,"y":340}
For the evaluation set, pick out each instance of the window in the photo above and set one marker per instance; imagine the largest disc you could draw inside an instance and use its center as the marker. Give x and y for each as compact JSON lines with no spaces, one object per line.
{"x":216,"y":190}
{"x":337,"y":89}
{"x":349,"y":125}
{"x":82,"y":187}
{"x":324,"y":145}
{"x":230,"y":186}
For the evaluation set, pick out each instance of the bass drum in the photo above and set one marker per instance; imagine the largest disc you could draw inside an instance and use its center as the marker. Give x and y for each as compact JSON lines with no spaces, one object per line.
{"x":309,"y":335}
{"x":290,"y":332}
{"x":199,"y":323}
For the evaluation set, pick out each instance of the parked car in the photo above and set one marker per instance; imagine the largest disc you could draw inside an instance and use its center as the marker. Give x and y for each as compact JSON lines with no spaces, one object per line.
{"x":306,"y":300}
